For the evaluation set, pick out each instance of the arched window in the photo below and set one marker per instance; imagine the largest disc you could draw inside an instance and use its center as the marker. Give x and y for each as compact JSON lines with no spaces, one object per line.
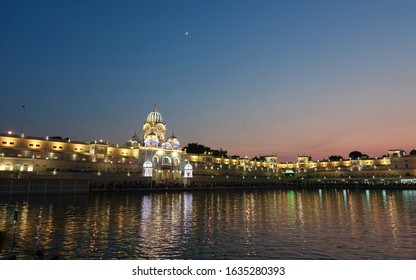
{"x":188,"y":171}
{"x":155,"y":160}
{"x":147,"y":168}
{"x":166,"y":161}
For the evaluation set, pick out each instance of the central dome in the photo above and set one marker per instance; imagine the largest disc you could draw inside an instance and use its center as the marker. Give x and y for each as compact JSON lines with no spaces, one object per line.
{"x":155,"y":117}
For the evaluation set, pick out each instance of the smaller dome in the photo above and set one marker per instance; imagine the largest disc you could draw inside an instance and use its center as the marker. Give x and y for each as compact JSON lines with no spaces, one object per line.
{"x":167,"y":146}
{"x":147,"y":164}
{"x":172,"y":138}
{"x":134,"y":141}
{"x":174,"y":141}
{"x":135,"y":137}
{"x":188,"y":166}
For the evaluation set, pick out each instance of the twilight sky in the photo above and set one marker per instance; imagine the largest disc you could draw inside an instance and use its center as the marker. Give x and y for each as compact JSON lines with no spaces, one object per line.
{"x":250,"y":77}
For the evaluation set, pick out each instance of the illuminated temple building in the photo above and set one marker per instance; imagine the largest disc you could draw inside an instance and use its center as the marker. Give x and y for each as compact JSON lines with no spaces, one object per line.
{"x":155,"y":158}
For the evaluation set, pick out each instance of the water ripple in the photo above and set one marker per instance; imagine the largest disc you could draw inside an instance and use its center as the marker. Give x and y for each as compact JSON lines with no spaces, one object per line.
{"x":269,"y":224}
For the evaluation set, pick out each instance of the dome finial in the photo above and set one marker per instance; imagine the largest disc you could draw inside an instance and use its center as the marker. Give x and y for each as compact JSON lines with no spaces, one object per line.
{"x":154,"y":109}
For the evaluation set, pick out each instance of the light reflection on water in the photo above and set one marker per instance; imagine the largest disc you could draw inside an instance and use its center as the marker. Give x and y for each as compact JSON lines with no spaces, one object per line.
{"x":235,"y":224}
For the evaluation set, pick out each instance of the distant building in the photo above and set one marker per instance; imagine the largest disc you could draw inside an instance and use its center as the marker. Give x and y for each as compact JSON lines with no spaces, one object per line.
{"x":160,"y":159}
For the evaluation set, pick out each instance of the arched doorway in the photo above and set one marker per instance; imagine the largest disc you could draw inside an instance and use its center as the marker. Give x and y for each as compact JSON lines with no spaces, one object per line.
{"x":166,"y":169}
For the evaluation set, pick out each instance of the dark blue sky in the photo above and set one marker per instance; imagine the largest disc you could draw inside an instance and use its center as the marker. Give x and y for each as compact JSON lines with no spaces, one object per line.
{"x":251,"y":77}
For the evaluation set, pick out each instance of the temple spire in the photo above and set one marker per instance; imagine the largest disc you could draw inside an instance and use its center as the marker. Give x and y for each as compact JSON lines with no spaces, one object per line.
{"x":154,"y":109}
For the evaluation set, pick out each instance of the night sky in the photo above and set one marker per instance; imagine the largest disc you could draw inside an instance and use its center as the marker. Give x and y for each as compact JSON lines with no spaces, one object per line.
{"x":251,"y":77}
